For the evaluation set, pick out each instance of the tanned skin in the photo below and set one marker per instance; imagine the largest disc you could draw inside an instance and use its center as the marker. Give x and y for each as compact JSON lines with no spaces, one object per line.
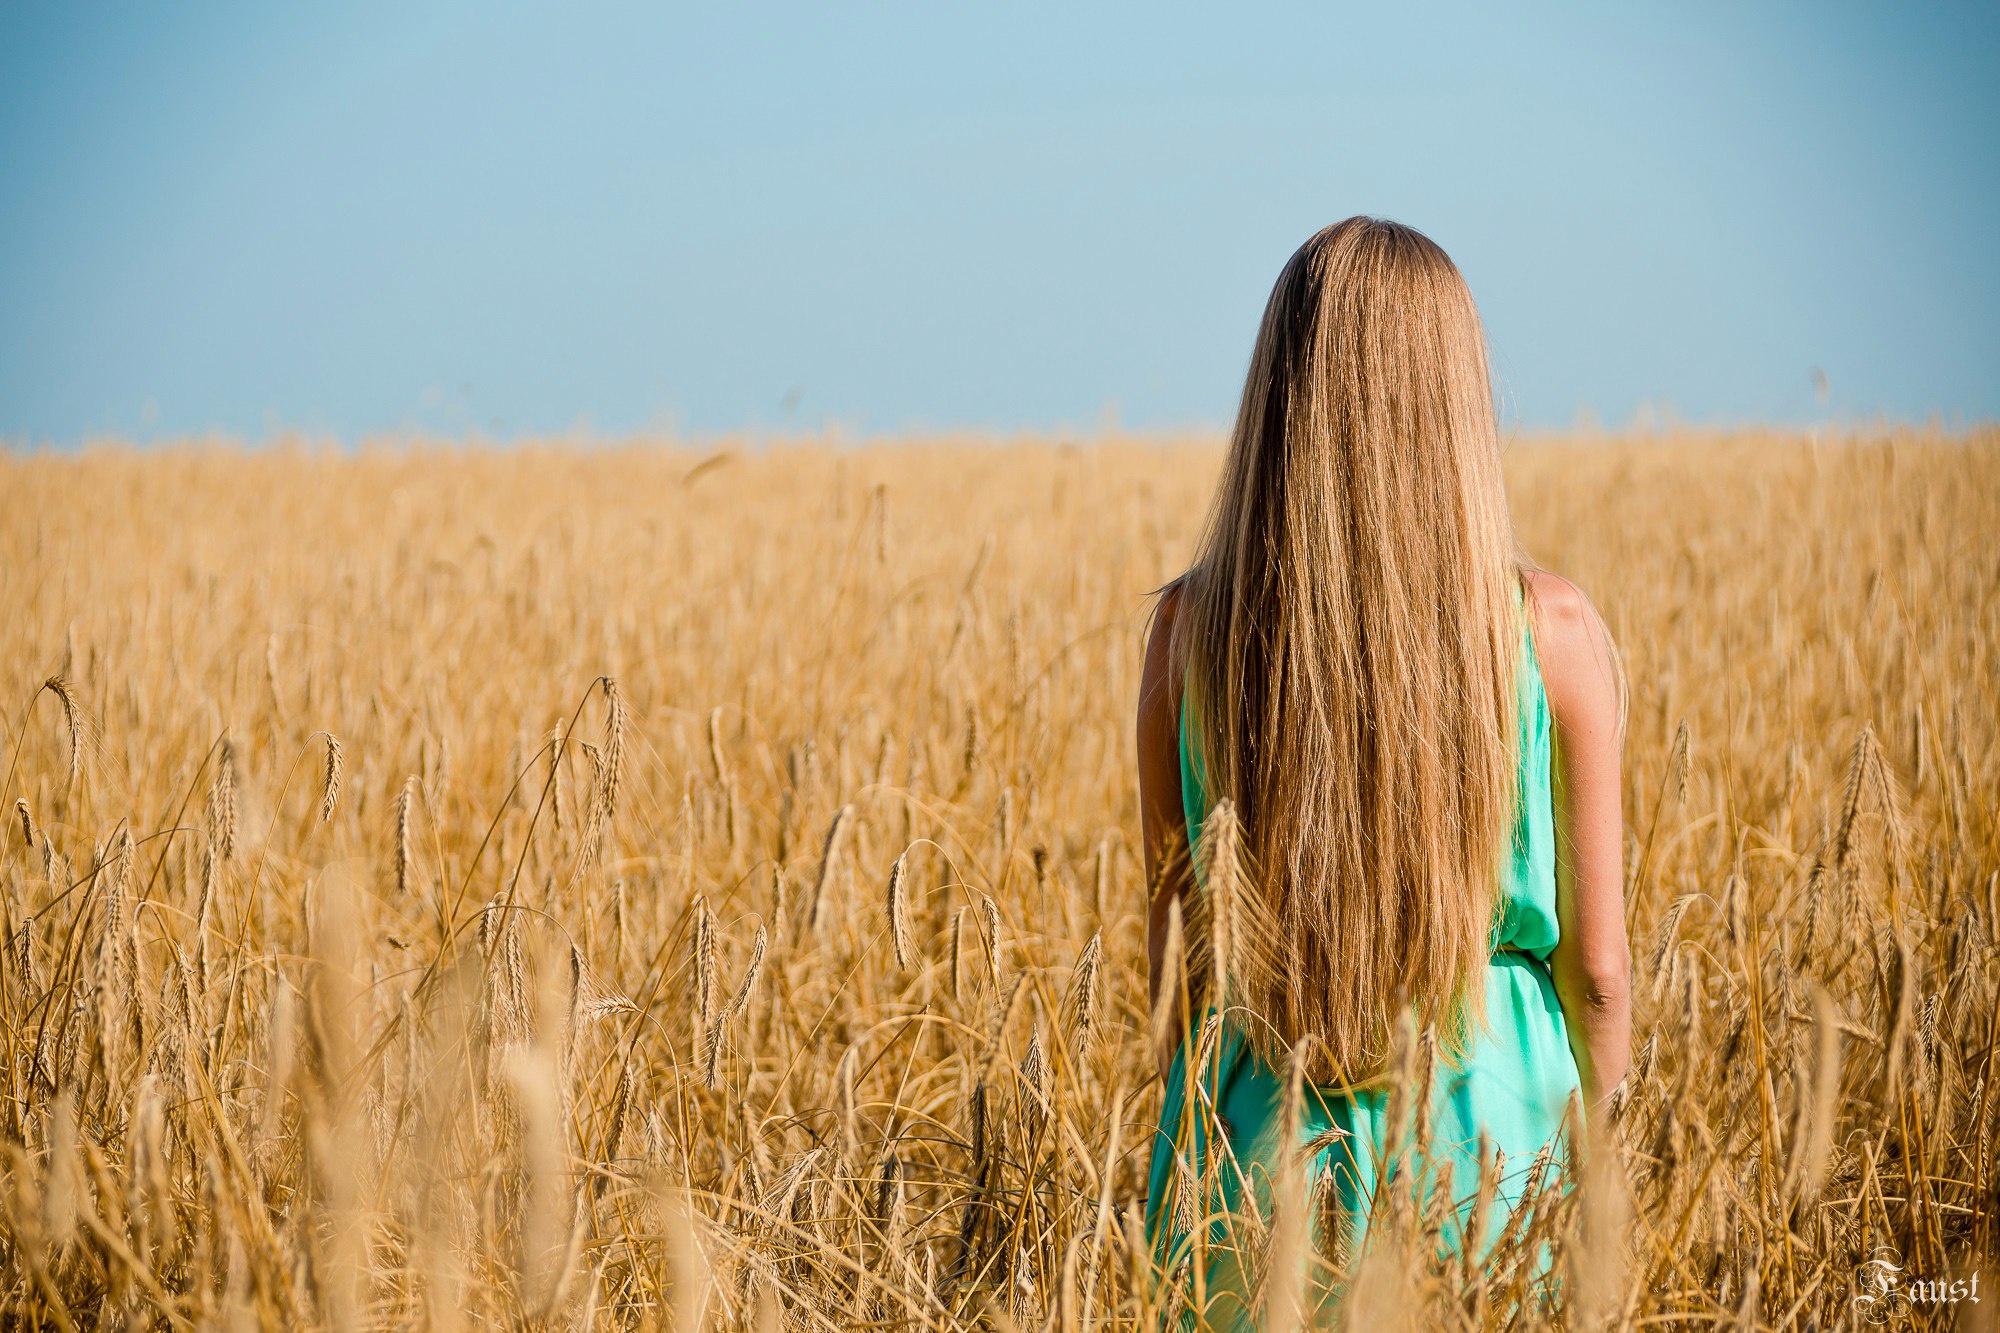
{"x":1592,"y":963}
{"x":1162,"y":822}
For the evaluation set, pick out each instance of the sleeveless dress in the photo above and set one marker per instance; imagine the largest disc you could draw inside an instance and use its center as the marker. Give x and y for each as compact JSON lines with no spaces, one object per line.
{"x":1513,"y":1088}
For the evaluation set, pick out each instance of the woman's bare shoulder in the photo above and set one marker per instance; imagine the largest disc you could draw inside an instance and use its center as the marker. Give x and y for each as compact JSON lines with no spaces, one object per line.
{"x":1556,"y":600}
{"x":1573,"y":648}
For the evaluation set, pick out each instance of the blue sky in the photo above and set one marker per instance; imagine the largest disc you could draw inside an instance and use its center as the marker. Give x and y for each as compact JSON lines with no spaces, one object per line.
{"x":513,"y":218}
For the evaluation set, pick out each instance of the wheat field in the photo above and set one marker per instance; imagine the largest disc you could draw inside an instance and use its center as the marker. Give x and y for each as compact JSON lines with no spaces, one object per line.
{"x":643,"y":885}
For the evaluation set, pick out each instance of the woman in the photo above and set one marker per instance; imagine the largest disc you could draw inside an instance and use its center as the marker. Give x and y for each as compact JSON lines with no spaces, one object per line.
{"x":1405,"y":743}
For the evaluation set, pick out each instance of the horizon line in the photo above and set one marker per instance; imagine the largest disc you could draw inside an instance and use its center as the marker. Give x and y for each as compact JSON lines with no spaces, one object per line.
{"x":1659,"y":426}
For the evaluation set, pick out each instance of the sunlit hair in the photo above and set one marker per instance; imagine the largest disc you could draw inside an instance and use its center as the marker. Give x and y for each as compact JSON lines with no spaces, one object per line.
{"x":1350,"y":628}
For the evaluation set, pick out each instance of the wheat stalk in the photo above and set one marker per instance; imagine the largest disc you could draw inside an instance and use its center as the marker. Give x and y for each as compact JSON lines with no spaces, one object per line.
{"x":222,"y":804}
{"x":899,"y":915}
{"x":405,"y":855}
{"x":329,"y":786}
{"x":829,"y":863}
{"x":737,"y":1003}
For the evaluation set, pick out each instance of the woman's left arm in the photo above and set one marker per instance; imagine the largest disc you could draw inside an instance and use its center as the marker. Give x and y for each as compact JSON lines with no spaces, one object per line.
{"x":1162,"y":824}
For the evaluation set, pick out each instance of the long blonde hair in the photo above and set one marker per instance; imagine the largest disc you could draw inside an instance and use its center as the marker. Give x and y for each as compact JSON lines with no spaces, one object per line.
{"x":1350,"y":630}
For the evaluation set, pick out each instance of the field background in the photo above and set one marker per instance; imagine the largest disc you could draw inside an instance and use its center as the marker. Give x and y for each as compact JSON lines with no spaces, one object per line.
{"x":431,"y":1042}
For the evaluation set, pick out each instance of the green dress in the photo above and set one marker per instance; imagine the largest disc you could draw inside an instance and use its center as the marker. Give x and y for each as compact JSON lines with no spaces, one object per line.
{"x":1513,"y":1089}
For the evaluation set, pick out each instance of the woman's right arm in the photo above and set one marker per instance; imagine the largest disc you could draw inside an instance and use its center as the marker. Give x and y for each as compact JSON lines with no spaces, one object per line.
{"x":1162,"y":824}
{"x":1592,"y":964}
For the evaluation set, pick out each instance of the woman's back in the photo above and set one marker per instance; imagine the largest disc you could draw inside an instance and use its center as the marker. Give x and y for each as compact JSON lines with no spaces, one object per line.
{"x":1526,"y":918}
{"x":1487,"y":1120}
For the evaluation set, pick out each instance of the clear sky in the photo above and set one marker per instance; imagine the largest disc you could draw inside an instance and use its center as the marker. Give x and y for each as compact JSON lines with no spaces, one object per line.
{"x":510,"y":218}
